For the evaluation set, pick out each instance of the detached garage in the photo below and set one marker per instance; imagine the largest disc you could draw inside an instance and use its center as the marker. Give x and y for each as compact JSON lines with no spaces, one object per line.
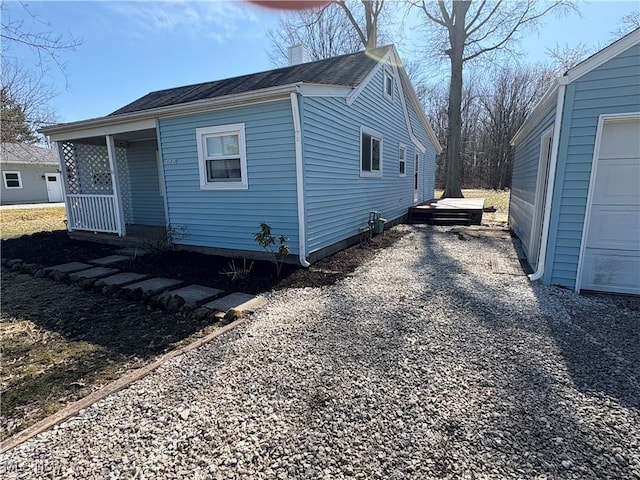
{"x":575,"y":199}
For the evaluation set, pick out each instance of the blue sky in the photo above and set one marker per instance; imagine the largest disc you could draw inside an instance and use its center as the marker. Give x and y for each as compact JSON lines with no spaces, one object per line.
{"x":132,"y":48}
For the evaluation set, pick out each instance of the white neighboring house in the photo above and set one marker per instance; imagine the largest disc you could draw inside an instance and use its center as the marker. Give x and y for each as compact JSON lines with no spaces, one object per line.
{"x":29,"y":174}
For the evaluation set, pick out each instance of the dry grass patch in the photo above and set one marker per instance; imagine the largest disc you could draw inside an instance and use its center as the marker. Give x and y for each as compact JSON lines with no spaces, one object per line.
{"x":15,"y":223}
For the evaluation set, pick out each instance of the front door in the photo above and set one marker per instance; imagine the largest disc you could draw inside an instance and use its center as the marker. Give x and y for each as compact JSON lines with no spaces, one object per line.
{"x":54,"y":187}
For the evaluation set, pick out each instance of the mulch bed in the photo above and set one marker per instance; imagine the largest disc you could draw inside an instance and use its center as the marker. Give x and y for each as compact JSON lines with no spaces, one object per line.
{"x":53,"y":248}
{"x":61,"y":342}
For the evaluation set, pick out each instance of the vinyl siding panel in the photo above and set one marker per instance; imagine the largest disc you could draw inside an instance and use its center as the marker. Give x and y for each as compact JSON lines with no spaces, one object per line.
{"x":428,"y":160}
{"x":613,"y":87}
{"x":523,"y":185}
{"x":229,"y":218}
{"x":337,"y":199}
{"x":147,"y":205}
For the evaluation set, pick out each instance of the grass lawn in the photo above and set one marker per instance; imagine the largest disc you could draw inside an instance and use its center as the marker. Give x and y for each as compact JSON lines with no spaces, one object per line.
{"x":492,"y":198}
{"x":15,"y":223}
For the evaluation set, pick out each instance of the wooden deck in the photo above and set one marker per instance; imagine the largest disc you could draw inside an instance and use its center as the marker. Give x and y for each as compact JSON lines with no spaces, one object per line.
{"x":448,"y":211}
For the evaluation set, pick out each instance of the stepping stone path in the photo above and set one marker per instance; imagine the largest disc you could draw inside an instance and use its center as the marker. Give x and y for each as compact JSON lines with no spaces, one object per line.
{"x":153,"y":286}
{"x":68,"y":267}
{"x":120,"y":279}
{"x":191,"y":295}
{"x":158,"y":291}
{"x":92,"y":273}
{"x":110,"y":260}
{"x":237,"y":301}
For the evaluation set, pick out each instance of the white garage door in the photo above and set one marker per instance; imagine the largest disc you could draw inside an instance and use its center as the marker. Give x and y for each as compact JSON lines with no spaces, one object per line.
{"x":611,"y":255}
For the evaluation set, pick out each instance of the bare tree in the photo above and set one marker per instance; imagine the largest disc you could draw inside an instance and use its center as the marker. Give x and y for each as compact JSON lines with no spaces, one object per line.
{"x":25,"y":92}
{"x":567,"y":57}
{"x":26,"y":99}
{"x":627,"y":24}
{"x":465,"y":31}
{"x":326,"y":32}
{"x":506,"y":100}
{"x":338,"y":28}
{"x":372,"y":11}
{"x":46,"y":44}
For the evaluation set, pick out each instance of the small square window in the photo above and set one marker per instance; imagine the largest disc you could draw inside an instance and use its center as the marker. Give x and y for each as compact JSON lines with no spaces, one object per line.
{"x":222,"y":157}
{"x":370,"y":153}
{"x":388,"y":85}
{"x":402,"y":161}
{"x":12,"y":180}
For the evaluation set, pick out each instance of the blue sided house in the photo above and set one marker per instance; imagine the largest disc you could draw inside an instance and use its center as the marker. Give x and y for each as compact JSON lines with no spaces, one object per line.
{"x":310,"y":149}
{"x":575,"y":199}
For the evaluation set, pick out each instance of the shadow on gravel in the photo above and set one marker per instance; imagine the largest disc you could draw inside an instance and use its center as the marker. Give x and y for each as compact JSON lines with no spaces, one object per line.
{"x":539,"y":417}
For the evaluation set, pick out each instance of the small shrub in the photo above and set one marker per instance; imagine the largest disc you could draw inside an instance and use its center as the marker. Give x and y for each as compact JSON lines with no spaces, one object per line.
{"x":267,"y":241}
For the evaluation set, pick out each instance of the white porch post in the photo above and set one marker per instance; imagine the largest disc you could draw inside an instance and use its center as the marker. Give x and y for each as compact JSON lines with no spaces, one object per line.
{"x":65,"y":185}
{"x":113,"y":165}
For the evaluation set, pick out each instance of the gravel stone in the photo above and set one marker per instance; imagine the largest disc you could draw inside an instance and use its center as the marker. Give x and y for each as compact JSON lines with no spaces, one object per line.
{"x":422,"y":364}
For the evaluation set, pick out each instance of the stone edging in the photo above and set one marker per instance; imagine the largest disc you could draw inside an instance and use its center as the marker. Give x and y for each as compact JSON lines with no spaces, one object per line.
{"x":113,"y":387}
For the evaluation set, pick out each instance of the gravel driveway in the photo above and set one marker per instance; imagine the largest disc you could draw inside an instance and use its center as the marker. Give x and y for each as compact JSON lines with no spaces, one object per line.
{"x":423,"y":364}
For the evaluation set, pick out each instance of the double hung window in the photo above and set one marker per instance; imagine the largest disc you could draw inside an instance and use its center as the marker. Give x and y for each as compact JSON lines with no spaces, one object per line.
{"x":222,"y":157}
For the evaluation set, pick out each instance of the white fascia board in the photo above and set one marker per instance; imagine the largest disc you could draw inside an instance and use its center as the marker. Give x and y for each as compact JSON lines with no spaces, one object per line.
{"x":538,"y":112}
{"x":320,"y":90}
{"x":417,"y":106}
{"x":604,"y":55}
{"x":77,"y":128}
{"x":104,"y":130}
{"x":418,"y":144}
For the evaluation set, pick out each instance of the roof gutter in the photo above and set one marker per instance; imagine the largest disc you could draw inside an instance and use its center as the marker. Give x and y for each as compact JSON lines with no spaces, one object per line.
{"x":302,"y":234}
{"x":190,"y":107}
{"x":553,"y":162}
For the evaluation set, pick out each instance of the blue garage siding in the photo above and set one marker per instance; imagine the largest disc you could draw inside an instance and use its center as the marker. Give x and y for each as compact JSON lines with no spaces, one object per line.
{"x":613,"y":87}
{"x":228,"y":219}
{"x":338,"y":200}
{"x":147,"y":205}
{"x":526,"y":160}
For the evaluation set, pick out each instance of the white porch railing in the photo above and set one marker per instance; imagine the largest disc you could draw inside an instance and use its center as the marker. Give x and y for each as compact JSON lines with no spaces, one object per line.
{"x":95,"y":213}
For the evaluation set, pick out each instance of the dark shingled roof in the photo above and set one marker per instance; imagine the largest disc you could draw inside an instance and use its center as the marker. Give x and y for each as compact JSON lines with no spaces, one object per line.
{"x":346,"y":70}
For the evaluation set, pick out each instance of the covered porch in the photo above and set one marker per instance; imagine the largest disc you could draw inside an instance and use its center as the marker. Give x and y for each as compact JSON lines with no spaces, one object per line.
{"x":113,"y":183}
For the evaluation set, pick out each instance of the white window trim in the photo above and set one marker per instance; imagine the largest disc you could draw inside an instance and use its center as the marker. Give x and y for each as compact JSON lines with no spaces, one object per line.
{"x":388,"y":74}
{"x":4,"y":177}
{"x":236,"y":128}
{"x":402,"y":148}
{"x":377,"y":136}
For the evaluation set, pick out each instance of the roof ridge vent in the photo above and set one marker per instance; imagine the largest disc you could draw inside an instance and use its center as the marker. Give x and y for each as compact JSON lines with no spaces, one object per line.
{"x":299,"y":54}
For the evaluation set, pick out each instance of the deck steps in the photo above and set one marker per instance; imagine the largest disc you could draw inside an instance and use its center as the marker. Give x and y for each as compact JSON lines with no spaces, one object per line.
{"x":448,"y":211}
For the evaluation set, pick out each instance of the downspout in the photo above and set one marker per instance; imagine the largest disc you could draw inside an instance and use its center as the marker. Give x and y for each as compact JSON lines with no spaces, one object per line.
{"x":302,"y":238}
{"x":542,"y":257}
